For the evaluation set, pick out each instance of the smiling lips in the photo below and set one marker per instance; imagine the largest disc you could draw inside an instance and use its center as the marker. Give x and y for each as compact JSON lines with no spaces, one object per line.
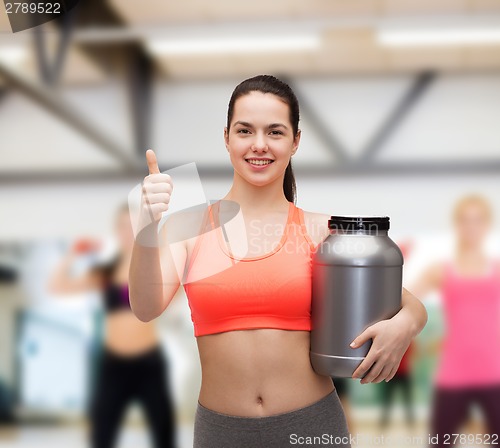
{"x":259,"y":162}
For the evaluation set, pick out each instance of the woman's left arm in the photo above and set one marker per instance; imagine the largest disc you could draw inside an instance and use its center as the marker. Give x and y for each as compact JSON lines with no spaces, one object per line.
{"x":391,"y":339}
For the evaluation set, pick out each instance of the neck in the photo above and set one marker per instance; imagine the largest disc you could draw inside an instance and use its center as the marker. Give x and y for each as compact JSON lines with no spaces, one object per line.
{"x":267,"y":197}
{"x":468,"y":251}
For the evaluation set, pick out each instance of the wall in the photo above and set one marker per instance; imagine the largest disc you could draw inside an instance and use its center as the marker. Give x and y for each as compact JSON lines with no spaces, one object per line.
{"x":456,"y":119}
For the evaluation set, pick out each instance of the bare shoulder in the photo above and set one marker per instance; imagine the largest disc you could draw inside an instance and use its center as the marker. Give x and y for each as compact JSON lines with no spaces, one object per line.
{"x":434,"y":273}
{"x":436,"y":270}
{"x":316,"y":226}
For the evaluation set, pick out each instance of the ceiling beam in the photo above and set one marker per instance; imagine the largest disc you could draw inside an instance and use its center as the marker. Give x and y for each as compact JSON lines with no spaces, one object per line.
{"x":325,"y":133}
{"x":394,"y":119}
{"x":52,"y":101}
{"x":50,"y":72}
{"x":104,"y":24}
{"x":124,"y":59}
{"x":393,"y":169}
{"x":139,"y":79}
{"x":3,"y":93}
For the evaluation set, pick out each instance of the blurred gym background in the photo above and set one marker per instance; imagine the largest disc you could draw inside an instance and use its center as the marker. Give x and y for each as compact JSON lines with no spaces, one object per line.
{"x":400,"y":107}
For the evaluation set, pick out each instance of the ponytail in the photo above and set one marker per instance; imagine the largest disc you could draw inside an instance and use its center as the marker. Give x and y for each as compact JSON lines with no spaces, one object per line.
{"x":289,"y":186}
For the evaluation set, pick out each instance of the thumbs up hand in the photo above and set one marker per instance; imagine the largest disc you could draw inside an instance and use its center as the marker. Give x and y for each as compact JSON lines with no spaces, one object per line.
{"x":156,"y":191}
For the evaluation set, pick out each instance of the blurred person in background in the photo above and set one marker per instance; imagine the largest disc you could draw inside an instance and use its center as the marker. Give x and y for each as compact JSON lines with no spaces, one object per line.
{"x":469,"y":366}
{"x":252,"y":317}
{"x":132,"y":365}
{"x":402,"y":381}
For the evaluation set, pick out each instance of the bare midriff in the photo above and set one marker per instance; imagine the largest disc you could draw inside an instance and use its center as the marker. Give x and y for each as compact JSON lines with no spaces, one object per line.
{"x":259,"y":372}
{"x":126,"y":335}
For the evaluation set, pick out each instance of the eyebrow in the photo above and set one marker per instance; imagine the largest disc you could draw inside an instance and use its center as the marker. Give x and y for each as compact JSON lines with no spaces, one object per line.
{"x":271,"y":126}
{"x":243,"y":123}
{"x":277,"y":125}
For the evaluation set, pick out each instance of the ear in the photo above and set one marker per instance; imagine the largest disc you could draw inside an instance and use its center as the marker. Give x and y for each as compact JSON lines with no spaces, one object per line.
{"x":226,"y":138}
{"x":296,"y":142}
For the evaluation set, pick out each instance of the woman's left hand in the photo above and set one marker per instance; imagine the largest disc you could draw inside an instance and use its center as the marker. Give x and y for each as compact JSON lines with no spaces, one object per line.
{"x":391,"y":339}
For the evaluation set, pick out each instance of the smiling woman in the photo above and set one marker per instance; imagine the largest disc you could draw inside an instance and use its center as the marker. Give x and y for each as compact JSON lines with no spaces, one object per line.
{"x":252,"y":318}
{"x":271,"y":112}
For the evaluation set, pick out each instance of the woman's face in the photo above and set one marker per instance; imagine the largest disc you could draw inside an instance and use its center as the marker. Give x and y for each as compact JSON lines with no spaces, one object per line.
{"x":124,"y":231}
{"x":472,"y":225}
{"x":260,"y":140}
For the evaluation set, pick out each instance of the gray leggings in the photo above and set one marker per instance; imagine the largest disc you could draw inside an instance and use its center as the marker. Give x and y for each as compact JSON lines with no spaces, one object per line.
{"x":322,"y":423}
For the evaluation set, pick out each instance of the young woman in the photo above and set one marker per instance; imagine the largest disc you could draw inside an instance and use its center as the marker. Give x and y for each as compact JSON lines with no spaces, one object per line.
{"x":249,"y":290}
{"x":131,"y":365}
{"x":469,"y":365}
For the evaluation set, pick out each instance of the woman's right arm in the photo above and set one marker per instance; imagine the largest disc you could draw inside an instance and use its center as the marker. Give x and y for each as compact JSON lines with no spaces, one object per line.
{"x":62,"y":282}
{"x":155,"y":265}
{"x":430,"y":280}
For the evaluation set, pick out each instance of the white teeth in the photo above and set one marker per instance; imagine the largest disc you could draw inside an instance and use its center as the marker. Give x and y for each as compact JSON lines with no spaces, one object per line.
{"x":259,"y":162}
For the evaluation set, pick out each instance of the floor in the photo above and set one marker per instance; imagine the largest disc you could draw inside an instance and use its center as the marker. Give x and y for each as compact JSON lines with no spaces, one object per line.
{"x":364,"y":432}
{"x":73,"y":436}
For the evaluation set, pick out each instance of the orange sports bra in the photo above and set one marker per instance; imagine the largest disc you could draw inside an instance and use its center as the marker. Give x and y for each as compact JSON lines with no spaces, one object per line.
{"x":226,"y":293}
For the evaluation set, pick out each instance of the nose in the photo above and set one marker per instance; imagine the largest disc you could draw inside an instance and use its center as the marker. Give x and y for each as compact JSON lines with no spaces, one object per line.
{"x":259,"y":144}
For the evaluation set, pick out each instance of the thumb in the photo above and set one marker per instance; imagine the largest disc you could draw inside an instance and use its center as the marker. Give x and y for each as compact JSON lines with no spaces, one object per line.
{"x":362,"y":338}
{"x":152,"y":162}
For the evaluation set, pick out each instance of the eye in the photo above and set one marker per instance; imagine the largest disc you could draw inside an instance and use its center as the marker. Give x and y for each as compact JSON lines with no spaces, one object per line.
{"x":276,"y":133}
{"x":243,"y":131}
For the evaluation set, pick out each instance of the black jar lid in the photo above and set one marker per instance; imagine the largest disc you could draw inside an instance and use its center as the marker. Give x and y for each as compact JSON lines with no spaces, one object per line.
{"x":368,"y":223}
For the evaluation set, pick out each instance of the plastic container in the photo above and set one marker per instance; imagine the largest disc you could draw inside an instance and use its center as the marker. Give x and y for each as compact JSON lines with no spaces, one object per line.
{"x":356,"y":282}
